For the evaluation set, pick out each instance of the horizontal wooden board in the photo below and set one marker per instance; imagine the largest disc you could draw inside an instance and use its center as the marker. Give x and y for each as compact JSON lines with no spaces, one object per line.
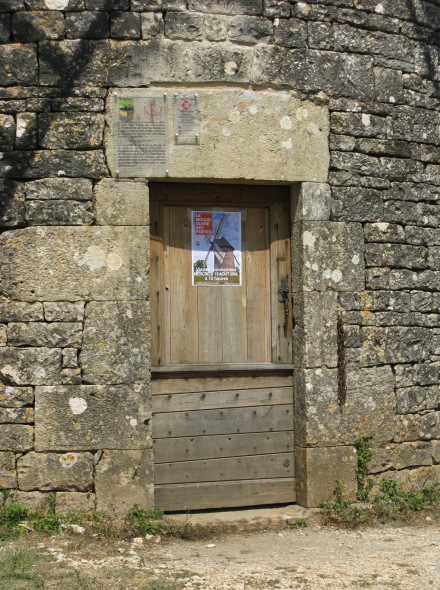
{"x":235,"y":398}
{"x":232,"y":468}
{"x":223,"y":421}
{"x":222,"y":368}
{"x":223,"y":445}
{"x":191,"y":385}
{"x":199,"y":496}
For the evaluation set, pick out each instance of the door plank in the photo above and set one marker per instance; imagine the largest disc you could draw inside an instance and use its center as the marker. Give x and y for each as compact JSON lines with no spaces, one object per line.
{"x":189,"y":385}
{"x":230,"y":420}
{"x":257,"y":285}
{"x":280,"y":268}
{"x":235,"y":398}
{"x":226,"y":445}
{"x":157,"y":278}
{"x":225,"y":494}
{"x":232,"y":468}
{"x":184,"y":346}
{"x":209,"y":320}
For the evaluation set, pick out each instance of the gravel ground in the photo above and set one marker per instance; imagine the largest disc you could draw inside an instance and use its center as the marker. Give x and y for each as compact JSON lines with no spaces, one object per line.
{"x":378,"y":557}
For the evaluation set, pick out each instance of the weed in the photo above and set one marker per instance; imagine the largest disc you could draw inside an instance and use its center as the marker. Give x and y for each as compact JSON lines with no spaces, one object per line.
{"x":341,"y":510}
{"x":364,"y":455}
{"x":18,"y":564}
{"x":298,"y":523}
{"x":143,"y":521}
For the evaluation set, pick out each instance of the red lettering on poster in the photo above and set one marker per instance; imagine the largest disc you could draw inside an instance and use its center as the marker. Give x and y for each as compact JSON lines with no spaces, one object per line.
{"x":203,"y":224}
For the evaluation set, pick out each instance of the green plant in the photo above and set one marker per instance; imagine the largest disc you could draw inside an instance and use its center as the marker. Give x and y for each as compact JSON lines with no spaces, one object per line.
{"x":142,"y":520}
{"x":6,"y":494}
{"x":298,"y":523}
{"x":364,"y":455}
{"x":10,"y":517}
{"x":341,"y":510}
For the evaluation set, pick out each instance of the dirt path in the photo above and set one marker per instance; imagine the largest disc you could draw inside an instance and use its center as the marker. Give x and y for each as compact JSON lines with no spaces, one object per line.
{"x":380,"y":557}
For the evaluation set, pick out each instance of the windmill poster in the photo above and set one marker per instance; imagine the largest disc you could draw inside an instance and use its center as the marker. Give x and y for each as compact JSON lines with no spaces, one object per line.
{"x":216,"y":248}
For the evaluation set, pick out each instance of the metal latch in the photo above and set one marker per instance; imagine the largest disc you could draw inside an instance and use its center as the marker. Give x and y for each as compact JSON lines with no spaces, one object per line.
{"x":283,"y":297}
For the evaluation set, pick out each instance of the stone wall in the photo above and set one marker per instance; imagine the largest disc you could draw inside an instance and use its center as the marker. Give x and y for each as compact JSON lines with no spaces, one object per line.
{"x":74,"y":313}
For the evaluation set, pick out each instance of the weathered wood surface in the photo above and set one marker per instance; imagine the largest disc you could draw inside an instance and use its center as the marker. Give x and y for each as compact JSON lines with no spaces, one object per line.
{"x":189,"y":384}
{"x":225,"y":494}
{"x":228,"y":469}
{"x":223,"y":421}
{"x":191,"y":448}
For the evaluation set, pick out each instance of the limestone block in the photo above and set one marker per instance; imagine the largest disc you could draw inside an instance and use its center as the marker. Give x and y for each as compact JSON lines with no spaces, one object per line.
{"x":355,"y":163}
{"x":411,"y":479}
{"x":55,"y":335}
{"x":328,"y":256}
{"x":29,"y":165}
{"x":46,"y":472}
{"x":16,"y":437}
{"x":383,"y":232}
{"x":121,"y":203}
{"x":435,"y":449}
{"x":315,"y":333}
{"x":77,"y":189}
{"x":12,"y":208}
{"x":152,"y":25}
{"x":125,"y":25}
{"x":78,"y":104}
{"x":5,"y":28}
{"x":400,"y":456}
{"x":311,"y":70}
{"x":215,"y":27}
{"x":27,"y":130}
{"x":124,"y":478}
{"x":91,"y":417}
{"x":7,"y":132}
{"x":31,"y":366}
{"x":104,"y":62}
{"x":59,"y":213}
{"x":252,"y":7}
{"x":15,"y":397}
{"x":413,"y":427}
{"x":19,"y":64}
{"x":74,"y":502}
{"x":274,"y":8}
{"x":55,"y":4}
{"x":75,"y":263}
{"x":116,"y":342}
{"x":357,"y":204}
{"x":16,"y":415}
{"x":3,"y":335}
{"x":395,"y":344}
{"x":70,"y":358}
{"x":70,"y":130}
{"x":184,"y":26}
{"x":411,"y":400}
{"x":36,"y":25}
{"x":396,"y":255}
{"x":8,"y":475}
{"x":107,"y":4}
{"x":87,"y":25}
{"x":250,"y":29}
{"x":369,"y":410}
{"x":318,"y":469}
{"x":248,"y":134}
{"x":291,"y":33}
{"x":17,"y":311}
{"x":415,"y":124}
{"x":314,"y":202}
{"x":32,"y":500}
{"x":64,"y":311}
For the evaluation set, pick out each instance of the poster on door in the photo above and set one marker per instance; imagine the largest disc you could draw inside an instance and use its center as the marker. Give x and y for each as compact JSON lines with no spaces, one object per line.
{"x":216,"y":248}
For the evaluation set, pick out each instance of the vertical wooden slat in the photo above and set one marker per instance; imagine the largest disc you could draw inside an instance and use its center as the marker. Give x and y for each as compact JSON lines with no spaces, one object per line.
{"x":280,"y":267}
{"x":257,"y":285}
{"x":156,"y":277}
{"x":183,"y":331}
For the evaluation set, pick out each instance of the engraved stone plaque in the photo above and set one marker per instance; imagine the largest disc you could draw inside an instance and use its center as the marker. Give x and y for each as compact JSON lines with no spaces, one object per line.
{"x":186,"y":118}
{"x":141,"y":133}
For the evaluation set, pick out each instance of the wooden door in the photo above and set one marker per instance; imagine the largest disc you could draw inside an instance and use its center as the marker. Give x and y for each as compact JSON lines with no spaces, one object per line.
{"x":221,"y":346}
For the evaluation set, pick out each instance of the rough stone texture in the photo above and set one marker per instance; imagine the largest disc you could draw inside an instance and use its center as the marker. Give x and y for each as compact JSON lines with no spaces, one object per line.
{"x":16,"y":415}
{"x":249,"y":29}
{"x":81,"y":263}
{"x":12,"y":207}
{"x":76,"y":189}
{"x":121,"y":203}
{"x":16,"y":397}
{"x":125,"y":25}
{"x":328,"y":256}
{"x":7,"y":132}
{"x":18,"y":64}
{"x":55,"y":335}
{"x":75,"y":502}
{"x":31,"y":366}
{"x":8,"y":474}
{"x":184,"y":26}
{"x":318,"y":469}
{"x":64,"y":311}
{"x":314,"y":203}
{"x":16,"y":437}
{"x":32,"y":500}
{"x":59,"y":213}
{"x":47,"y":472}
{"x":87,"y":25}
{"x":123,"y":478}
{"x":92,"y":417}
{"x":369,"y":410}
{"x":18,"y":311}
{"x":401,"y":456}
{"x":35,"y":25}
{"x":27,"y":130}
{"x":394,"y":344}
{"x":70,"y":130}
{"x":116,"y":342}
{"x":253,"y":135}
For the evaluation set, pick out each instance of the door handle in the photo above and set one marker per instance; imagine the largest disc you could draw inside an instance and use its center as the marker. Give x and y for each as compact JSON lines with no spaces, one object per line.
{"x":283,"y":297}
